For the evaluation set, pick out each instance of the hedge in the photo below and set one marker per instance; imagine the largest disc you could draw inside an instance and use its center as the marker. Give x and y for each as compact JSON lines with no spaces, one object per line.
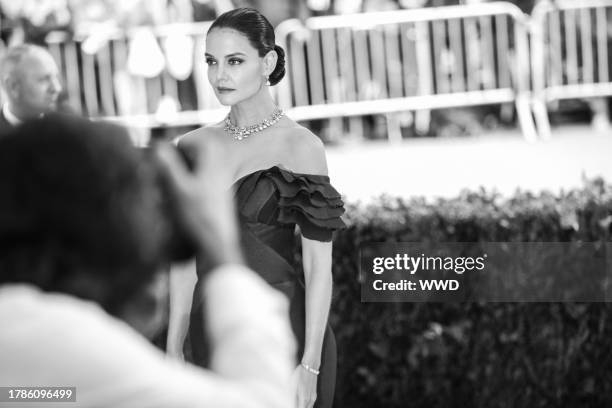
{"x":472,"y":354}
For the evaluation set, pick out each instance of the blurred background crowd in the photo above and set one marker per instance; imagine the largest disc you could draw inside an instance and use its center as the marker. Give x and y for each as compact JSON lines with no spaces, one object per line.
{"x":159,"y":40}
{"x":139,"y":62}
{"x":32,"y":20}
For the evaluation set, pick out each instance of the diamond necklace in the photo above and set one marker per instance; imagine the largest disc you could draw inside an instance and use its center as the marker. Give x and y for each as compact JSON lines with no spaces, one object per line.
{"x":242,"y":132}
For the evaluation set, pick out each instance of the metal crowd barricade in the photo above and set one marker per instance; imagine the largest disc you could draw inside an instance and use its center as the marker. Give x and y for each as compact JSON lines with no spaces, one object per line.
{"x":571,"y":53}
{"x":369,"y":64}
{"x":408,"y":60}
{"x":100,"y":85}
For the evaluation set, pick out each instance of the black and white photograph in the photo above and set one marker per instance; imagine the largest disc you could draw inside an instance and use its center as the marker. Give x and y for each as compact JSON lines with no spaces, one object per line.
{"x":306,"y":203}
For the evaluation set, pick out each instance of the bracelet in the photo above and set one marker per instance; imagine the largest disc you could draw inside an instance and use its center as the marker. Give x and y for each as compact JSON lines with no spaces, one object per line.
{"x":309,"y":369}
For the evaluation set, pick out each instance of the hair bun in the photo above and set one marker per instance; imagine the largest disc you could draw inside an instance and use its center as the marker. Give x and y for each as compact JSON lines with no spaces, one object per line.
{"x":279,"y":70}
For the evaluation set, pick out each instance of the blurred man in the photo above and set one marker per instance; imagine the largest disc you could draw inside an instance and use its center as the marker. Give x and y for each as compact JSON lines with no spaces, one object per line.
{"x":85,"y":228}
{"x":30,"y":84}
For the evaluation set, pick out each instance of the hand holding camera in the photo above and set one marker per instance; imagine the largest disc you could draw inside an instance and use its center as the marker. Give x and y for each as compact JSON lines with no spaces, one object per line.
{"x":202,"y":203}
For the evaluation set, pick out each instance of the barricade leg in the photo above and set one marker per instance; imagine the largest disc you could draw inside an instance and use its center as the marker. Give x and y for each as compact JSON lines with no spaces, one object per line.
{"x":541,"y":117}
{"x":525,"y":119}
{"x":394,"y":130}
{"x":601,"y":118}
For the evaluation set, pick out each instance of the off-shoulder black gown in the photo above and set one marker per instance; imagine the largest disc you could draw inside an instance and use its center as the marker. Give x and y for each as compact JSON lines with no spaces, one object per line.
{"x":270,"y":203}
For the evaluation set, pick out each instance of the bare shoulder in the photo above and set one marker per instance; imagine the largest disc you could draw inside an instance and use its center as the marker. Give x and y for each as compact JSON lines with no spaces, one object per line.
{"x":307,"y":151}
{"x":200,"y":135}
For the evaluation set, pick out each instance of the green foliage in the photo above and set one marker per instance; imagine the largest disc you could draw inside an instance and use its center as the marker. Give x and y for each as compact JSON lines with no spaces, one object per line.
{"x":492,"y":355}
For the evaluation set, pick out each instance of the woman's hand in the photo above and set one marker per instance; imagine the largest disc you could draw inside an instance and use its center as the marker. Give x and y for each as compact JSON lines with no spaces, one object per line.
{"x":306,"y":387}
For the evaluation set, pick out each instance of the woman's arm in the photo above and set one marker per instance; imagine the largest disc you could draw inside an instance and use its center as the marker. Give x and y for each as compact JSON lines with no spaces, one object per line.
{"x":182,"y":283}
{"x":317,"y":259}
{"x":309,"y":154}
{"x":183,"y":278}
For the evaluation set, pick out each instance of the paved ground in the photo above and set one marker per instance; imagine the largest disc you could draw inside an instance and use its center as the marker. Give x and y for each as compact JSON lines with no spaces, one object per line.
{"x":503,"y":161}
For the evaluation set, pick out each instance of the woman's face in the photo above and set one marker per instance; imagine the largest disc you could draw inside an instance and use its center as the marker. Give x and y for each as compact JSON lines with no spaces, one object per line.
{"x":235,"y":70}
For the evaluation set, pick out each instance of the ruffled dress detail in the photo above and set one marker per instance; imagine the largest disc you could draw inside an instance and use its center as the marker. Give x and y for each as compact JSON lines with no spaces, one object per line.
{"x":280,"y":197}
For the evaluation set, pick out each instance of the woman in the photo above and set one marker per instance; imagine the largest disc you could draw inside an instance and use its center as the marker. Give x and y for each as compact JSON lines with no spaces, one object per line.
{"x":281,"y":181}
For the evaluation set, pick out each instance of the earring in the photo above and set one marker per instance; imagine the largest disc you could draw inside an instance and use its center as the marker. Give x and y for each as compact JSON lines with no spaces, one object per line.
{"x":268,"y":80}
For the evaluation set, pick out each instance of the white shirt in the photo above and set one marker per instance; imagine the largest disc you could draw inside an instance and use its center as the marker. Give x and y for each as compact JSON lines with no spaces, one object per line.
{"x":10,"y":117}
{"x":58,"y":340}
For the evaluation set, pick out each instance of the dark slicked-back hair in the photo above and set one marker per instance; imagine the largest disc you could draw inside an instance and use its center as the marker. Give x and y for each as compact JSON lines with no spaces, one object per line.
{"x":260,"y":33}
{"x":79,"y":211}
